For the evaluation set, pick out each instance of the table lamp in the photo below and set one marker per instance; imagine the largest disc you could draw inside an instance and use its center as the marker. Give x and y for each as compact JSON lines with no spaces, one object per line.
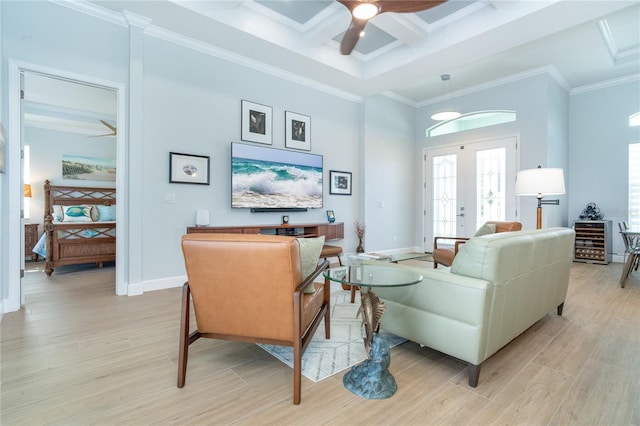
{"x":540,"y":182}
{"x":27,"y":190}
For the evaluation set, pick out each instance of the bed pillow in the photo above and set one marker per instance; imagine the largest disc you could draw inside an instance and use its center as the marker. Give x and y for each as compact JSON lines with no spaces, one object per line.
{"x":77,"y":214}
{"x":310,"y":249}
{"x":57,"y":213}
{"x":106,"y":213}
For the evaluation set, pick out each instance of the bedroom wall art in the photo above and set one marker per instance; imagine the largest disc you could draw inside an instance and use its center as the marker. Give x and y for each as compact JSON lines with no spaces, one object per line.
{"x":88,"y":168}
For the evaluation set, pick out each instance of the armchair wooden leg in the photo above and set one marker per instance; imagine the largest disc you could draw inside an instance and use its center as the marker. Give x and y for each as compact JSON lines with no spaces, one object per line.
{"x":560,"y":308}
{"x":353,"y":292}
{"x":297,"y":371}
{"x":183,"y":351}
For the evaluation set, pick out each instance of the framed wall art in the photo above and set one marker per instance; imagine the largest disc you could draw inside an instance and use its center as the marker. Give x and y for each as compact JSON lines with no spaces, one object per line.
{"x":339,"y":182}
{"x":256,"y":122}
{"x":187,"y":168}
{"x":297,"y":131}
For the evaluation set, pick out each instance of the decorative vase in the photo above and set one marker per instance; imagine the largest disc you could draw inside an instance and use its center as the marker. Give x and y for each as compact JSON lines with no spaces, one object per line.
{"x":360,"y":249}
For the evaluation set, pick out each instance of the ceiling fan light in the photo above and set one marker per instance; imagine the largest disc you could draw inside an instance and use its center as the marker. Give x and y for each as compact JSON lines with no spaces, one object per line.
{"x":445,"y":115}
{"x":365,"y":11}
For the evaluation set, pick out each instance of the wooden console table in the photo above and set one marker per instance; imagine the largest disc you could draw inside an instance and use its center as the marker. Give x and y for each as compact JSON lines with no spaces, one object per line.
{"x":331,"y":231}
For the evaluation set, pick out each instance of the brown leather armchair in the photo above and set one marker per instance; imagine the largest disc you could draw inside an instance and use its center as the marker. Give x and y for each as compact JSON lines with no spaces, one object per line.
{"x":445,"y":255}
{"x":250,"y":288}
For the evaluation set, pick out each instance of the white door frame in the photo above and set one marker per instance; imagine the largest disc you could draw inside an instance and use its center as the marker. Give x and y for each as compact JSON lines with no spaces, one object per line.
{"x":425,"y":168}
{"x":14,"y":146}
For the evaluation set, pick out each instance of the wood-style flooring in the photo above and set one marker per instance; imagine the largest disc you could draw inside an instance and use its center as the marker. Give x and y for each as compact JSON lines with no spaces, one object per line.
{"x":76,"y":354}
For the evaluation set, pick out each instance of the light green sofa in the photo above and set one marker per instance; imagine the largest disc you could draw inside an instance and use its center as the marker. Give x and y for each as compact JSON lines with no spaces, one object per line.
{"x":498,"y":286}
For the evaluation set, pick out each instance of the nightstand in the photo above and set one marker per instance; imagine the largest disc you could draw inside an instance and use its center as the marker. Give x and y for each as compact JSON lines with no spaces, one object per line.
{"x":30,"y":240}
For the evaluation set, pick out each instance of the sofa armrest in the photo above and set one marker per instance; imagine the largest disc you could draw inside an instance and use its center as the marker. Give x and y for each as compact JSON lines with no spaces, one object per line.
{"x":442,"y":293}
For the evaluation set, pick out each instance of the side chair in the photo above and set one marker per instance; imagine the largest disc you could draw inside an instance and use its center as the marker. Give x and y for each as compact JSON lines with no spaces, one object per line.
{"x":250,"y":288}
{"x":444,"y":255}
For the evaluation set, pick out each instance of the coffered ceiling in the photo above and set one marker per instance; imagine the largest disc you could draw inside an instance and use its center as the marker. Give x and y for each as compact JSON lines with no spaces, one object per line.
{"x":478,"y":42}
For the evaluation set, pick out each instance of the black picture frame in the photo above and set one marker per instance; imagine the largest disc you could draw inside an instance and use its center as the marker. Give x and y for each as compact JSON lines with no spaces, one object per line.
{"x":188,"y":168}
{"x":339,"y":182}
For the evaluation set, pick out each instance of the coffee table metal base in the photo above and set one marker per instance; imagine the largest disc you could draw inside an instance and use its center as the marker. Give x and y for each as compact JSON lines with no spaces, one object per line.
{"x":371,"y":379}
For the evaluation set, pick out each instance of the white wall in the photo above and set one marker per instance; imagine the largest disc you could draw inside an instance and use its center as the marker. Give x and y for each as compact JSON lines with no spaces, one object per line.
{"x":390,"y":206}
{"x":192,"y":104}
{"x":600,"y":135}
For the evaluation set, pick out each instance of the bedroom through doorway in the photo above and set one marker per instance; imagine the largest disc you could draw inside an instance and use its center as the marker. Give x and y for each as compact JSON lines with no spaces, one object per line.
{"x":64,"y":120}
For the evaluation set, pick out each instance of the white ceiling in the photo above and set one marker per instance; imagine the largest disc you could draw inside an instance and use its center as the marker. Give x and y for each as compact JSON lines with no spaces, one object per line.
{"x":477,"y":42}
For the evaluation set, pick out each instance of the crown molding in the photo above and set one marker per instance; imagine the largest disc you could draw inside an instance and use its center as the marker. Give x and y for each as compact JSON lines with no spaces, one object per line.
{"x":546,"y":70}
{"x":199,"y":46}
{"x":604,"y":84}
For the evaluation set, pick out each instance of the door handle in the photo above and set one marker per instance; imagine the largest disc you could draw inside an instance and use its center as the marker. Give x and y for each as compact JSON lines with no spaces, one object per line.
{"x":460,"y":215}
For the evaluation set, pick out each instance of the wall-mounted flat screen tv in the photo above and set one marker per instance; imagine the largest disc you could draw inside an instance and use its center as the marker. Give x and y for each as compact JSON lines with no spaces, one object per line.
{"x":270,"y":179}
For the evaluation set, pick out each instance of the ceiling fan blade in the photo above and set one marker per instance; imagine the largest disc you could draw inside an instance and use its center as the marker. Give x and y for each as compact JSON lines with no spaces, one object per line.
{"x":404,"y":6}
{"x":112,"y":128}
{"x":100,"y":136}
{"x":352,"y":36}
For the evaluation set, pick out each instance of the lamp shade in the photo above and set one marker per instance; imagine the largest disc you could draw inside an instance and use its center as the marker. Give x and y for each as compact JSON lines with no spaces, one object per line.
{"x":540,"y":182}
{"x":27,"y":190}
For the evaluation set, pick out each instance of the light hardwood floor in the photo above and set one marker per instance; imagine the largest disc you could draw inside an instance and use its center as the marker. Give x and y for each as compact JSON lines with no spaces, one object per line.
{"x":77,"y":355}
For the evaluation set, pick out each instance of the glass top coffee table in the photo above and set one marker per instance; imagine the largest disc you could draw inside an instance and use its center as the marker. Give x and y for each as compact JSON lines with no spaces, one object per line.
{"x":371,"y":379}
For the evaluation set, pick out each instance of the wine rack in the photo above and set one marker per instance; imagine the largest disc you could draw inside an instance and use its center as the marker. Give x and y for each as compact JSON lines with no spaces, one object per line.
{"x":593,"y":241}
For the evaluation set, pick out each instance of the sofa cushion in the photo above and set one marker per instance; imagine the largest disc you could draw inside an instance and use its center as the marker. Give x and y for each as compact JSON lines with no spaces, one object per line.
{"x":310,"y":249}
{"x":487,"y":228}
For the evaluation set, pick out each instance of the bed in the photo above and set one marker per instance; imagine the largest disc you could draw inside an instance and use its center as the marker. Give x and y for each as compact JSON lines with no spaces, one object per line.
{"x":79,"y":226}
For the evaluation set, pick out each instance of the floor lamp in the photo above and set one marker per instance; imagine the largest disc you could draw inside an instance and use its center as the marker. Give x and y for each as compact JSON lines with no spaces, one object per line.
{"x":540,"y":182}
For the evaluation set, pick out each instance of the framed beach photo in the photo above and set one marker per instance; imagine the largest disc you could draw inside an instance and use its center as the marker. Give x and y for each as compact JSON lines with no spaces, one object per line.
{"x":256,"y":122}
{"x":331,"y":217}
{"x":339,"y":182}
{"x":297,"y":131}
{"x":188,"y":168}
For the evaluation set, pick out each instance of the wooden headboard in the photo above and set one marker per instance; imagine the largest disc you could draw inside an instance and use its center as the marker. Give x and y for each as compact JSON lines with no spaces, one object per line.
{"x":71,"y":195}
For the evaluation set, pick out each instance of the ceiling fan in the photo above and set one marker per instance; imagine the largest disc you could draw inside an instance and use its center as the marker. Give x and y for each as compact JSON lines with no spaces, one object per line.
{"x":362,"y":11}
{"x":114,"y":130}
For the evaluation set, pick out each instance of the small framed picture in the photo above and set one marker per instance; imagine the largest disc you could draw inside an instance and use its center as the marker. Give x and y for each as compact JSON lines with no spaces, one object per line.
{"x":285,"y":219}
{"x":339,"y":182}
{"x":330,"y":216}
{"x":256,"y":122}
{"x":297,"y":131}
{"x":188,"y":168}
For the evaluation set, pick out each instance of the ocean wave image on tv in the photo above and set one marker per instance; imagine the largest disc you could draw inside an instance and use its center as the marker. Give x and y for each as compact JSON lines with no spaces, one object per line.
{"x":269,"y":183}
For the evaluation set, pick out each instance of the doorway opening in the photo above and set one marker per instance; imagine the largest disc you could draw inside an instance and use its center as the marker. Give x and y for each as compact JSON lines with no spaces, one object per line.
{"x":60,"y":113}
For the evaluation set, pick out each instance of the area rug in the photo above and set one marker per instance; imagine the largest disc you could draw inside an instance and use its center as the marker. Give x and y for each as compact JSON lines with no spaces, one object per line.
{"x":324,"y":358}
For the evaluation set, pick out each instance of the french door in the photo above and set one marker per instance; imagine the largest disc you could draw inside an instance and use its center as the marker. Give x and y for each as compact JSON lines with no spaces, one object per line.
{"x":467,"y":185}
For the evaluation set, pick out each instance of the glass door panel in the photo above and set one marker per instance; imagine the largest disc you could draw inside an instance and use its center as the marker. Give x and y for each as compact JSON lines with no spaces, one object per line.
{"x":468,"y":185}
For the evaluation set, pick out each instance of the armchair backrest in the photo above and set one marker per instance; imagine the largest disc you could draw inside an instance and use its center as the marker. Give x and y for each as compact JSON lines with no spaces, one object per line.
{"x":243,"y":285}
{"x":506,"y":226}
